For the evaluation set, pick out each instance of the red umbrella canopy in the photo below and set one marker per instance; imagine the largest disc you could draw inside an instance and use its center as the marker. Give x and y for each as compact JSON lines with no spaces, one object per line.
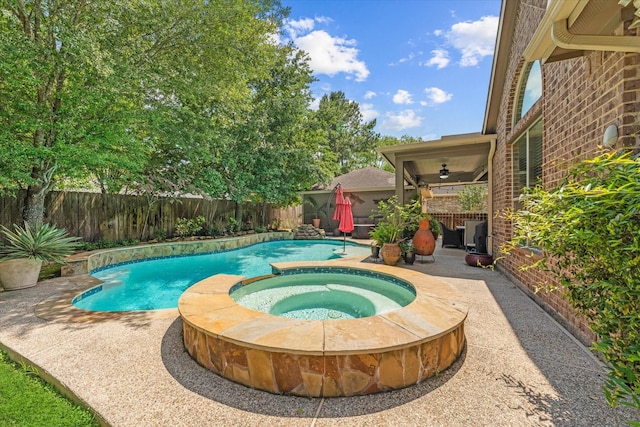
{"x":346,"y":219}
{"x":337,"y":214}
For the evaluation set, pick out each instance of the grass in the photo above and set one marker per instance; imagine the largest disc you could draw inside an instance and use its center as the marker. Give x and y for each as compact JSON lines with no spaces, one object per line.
{"x":27,"y":400}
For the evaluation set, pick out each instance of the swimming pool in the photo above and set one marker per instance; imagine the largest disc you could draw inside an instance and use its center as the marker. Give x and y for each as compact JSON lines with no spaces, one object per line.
{"x":158,"y":283}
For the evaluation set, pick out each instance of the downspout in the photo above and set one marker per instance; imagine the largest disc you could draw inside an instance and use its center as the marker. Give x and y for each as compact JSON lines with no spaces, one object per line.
{"x":492,"y":153}
{"x":561,"y":36}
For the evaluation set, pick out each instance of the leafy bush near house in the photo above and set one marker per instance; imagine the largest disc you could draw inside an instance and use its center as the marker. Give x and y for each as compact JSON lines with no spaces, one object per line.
{"x":392,"y":223}
{"x":587,"y":235}
{"x":189,"y":227}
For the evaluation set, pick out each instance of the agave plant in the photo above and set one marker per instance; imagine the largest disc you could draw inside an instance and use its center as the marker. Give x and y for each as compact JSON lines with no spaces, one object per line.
{"x":46,"y":243}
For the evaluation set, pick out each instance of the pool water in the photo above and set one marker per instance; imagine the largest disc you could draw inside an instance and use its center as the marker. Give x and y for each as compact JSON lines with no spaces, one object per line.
{"x":323,"y":296}
{"x":158,"y":283}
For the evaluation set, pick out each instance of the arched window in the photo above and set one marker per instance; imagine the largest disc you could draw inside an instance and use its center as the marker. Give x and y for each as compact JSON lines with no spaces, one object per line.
{"x":529,"y":90}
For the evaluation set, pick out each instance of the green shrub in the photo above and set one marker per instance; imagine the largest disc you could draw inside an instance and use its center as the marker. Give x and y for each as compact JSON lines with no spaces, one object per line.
{"x":160,"y":234}
{"x":586,"y":233}
{"x":214,"y":231}
{"x":234,"y":225}
{"x":189,"y":227}
{"x":106,"y":244}
{"x":44,"y":242}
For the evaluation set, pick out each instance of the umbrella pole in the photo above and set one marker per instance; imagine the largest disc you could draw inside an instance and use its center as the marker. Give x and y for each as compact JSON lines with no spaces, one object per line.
{"x":344,"y":242}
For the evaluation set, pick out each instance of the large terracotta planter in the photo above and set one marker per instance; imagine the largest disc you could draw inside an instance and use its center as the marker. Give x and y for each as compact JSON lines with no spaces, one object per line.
{"x":316,"y":222}
{"x":19,"y":273}
{"x":390,"y":253}
{"x":423,"y":241}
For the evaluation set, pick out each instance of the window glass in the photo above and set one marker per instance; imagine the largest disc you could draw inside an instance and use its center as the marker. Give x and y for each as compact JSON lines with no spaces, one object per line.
{"x":527,"y":159}
{"x":534,"y":155}
{"x":530,"y":89}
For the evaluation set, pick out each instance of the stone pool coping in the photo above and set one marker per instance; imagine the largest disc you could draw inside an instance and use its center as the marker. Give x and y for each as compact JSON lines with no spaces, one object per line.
{"x":87,"y":262}
{"x":281,"y":355}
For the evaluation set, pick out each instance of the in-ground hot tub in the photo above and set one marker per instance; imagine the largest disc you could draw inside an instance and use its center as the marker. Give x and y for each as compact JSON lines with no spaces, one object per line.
{"x":320,"y":293}
{"x":391,"y":349}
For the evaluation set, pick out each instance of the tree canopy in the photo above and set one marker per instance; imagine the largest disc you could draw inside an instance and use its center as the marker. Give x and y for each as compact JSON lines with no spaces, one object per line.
{"x":348,"y":143}
{"x":166,"y":97}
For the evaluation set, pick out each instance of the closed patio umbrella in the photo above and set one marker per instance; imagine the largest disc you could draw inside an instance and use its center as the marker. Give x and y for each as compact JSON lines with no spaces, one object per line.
{"x":346,"y":221}
{"x":339,"y":203}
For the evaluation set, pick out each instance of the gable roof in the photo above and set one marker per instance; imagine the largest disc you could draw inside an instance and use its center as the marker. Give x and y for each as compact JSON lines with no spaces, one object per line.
{"x":369,"y":178}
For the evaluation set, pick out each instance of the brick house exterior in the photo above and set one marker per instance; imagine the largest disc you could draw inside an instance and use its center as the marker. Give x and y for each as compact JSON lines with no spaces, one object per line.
{"x":580,"y":98}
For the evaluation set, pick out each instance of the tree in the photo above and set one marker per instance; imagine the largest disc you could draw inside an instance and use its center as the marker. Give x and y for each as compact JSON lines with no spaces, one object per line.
{"x":473,"y":198}
{"x":125,"y":90}
{"x":348,"y":142}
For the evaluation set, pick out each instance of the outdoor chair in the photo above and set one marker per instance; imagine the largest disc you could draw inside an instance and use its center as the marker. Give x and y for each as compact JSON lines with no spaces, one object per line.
{"x":450,"y":237}
{"x":469,"y":234}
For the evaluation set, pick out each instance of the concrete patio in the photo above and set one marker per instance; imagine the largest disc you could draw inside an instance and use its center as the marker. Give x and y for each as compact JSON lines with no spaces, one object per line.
{"x":519,"y":367}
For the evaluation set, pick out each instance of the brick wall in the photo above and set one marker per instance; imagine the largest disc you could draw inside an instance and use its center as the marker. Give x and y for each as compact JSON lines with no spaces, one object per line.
{"x":581,"y":97}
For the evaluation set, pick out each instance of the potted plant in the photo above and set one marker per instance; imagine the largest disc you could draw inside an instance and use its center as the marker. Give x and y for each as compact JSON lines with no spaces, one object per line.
{"x":408,"y":254}
{"x":375,"y":249}
{"x":388,"y":232}
{"x":27,"y":248}
{"x":414,"y":215}
{"x":434,"y":226}
{"x":317,"y":210}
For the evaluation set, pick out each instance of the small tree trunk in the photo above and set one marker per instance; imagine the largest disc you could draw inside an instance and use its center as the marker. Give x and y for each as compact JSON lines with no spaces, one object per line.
{"x":239,"y":213}
{"x":33,"y":213}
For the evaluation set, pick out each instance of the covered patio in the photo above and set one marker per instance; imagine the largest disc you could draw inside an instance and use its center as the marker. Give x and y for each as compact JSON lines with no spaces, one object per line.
{"x":465,"y":158}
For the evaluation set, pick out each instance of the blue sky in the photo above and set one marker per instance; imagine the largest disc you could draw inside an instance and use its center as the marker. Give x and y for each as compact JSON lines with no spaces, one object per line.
{"x":419,"y":67}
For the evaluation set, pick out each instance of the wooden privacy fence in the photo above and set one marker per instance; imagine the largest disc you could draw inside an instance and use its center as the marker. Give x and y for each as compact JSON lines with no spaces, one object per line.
{"x":95,"y":216}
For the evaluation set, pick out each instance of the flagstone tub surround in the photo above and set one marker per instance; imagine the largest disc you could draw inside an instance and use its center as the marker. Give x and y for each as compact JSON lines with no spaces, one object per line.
{"x":325,"y":358}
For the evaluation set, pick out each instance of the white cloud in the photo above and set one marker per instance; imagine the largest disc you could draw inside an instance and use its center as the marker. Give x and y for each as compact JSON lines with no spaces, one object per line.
{"x":437,"y":95}
{"x":402,"y":97}
{"x":332,"y":55}
{"x":437,"y":32}
{"x":403,"y":120}
{"x":370,"y":94}
{"x":440,"y":59}
{"x":368,"y":112}
{"x":315,"y":104}
{"x":301,"y":26}
{"x":406,"y":59}
{"x":474,"y":39}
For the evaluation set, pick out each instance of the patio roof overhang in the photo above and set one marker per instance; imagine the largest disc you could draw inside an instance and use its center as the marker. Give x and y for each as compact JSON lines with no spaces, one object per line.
{"x":571,"y":28}
{"x":466,"y":157}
